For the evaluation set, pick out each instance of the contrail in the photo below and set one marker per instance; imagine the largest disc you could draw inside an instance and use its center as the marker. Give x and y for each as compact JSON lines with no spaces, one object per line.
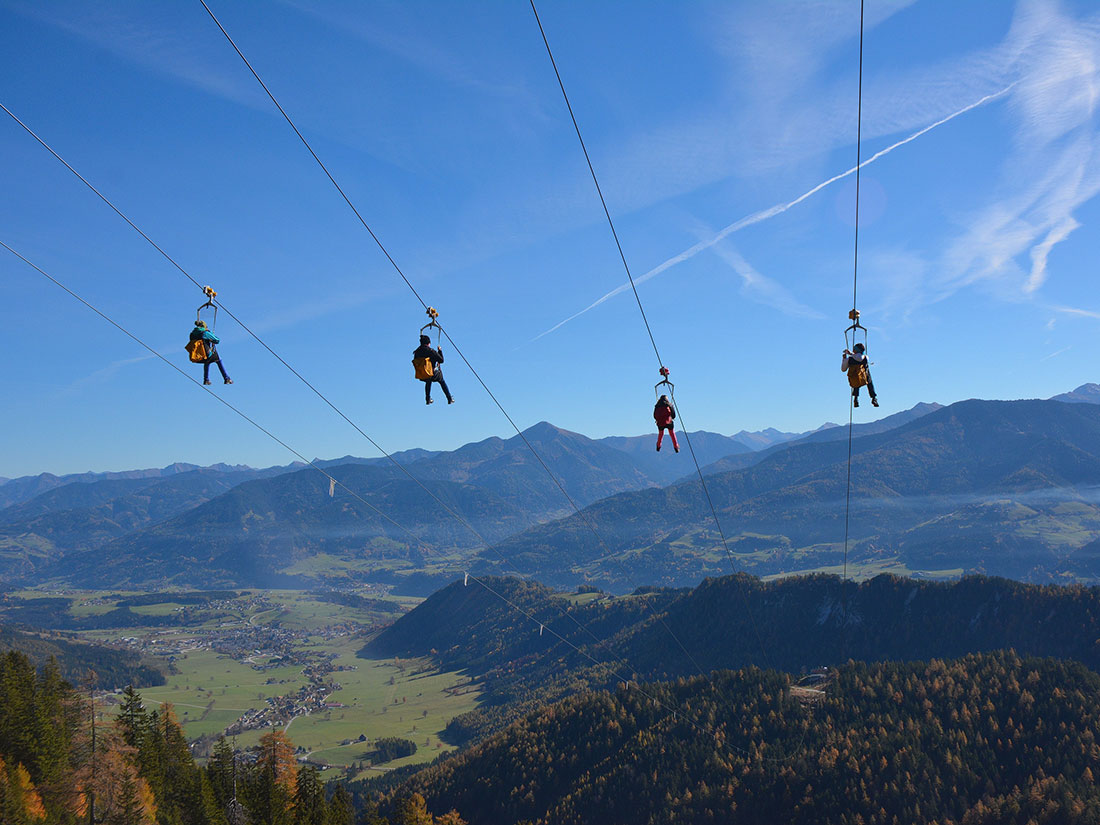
{"x":771,"y":212}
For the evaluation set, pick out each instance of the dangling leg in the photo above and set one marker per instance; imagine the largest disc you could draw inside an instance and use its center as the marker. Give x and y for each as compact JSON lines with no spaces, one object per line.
{"x":443,"y":386}
{"x":206,"y":372}
{"x":225,"y":375}
{"x":428,"y":391}
{"x":871,"y":391}
{"x":672,"y":435}
{"x":660,"y":437}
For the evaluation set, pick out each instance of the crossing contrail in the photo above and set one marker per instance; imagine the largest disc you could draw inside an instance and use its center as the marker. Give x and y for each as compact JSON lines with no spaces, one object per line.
{"x":772,"y":211}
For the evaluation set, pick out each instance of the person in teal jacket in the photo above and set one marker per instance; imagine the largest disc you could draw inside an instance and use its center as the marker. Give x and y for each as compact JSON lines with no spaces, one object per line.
{"x":212,"y":357}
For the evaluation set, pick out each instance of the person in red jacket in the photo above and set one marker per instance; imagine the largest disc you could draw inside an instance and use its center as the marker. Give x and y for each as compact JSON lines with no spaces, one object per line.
{"x":663,"y":414}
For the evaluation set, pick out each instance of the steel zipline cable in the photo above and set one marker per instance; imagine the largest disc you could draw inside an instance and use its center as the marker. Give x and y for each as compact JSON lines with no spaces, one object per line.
{"x":378,"y":241}
{"x":855,"y":282}
{"x":649,"y":330}
{"x":629,"y":680}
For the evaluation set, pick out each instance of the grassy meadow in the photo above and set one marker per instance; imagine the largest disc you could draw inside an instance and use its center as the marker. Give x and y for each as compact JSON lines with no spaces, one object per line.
{"x":210,"y":691}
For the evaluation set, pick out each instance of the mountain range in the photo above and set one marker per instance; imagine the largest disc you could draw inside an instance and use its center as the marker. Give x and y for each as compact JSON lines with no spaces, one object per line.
{"x":192,"y":522}
{"x":17,"y":490}
{"x":1001,"y":487}
{"x":1004,"y":487}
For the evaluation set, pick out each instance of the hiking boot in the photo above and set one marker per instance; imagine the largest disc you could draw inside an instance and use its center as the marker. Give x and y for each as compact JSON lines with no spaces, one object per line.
{"x":450,"y":400}
{"x":228,"y":380}
{"x":874,"y":402}
{"x":429,"y":401}
{"x":677,"y":449}
{"x":855,"y":402}
{"x":207,"y":381}
{"x":658,"y":448}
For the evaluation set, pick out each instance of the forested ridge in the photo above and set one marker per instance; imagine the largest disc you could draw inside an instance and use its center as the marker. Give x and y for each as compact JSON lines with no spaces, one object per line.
{"x":110,"y":667}
{"x":738,"y":620}
{"x":987,"y":739}
{"x":731,"y":622}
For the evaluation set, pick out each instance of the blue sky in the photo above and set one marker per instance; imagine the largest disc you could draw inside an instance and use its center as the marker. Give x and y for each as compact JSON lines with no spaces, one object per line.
{"x":707,"y":123}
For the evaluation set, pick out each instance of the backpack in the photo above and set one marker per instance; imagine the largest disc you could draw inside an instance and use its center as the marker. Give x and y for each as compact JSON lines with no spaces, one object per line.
{"x":662,"y":414}
{"x":857,"y":376}
{"x":423,"y":367}
{"x":197,"y":350}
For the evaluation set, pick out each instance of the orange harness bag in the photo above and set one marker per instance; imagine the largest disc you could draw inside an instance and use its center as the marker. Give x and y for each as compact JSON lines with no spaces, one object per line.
{"x":857,"y":376}
{"x":197,"y":350}
{"x":424,"y":369}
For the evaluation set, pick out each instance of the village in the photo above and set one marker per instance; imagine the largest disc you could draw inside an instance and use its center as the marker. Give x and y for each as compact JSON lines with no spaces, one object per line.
{"x":262,"y":647}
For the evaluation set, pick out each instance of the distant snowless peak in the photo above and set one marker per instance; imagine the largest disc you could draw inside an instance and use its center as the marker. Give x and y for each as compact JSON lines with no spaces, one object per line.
{"x":1084,"y":394}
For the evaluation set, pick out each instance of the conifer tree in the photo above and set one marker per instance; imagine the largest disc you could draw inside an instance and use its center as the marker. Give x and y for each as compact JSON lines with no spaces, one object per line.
{"x":182,"y":799}
{"x":135,"y":804}
{"x":133,"y":718}
{"x":151,"y":759}
{"x":369,"y":815}
{"x":341,"y":810}
{"x":271,"y":785}
{"x":309,"y":798}
{"x":221,"y":772}
{"x":52,"y":727}
{"x":17,"y":722}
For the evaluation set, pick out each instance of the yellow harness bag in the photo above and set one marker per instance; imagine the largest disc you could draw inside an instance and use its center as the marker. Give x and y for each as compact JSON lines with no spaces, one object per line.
{"x":423,"y":367}
{"x":197,"y":350}
{"x":857,"y":376}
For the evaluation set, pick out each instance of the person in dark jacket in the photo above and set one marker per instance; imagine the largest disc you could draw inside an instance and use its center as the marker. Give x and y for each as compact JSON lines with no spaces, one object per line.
{"x":425,"y":350}
{"x":211,"y":341}
{"x":857,"y":366}
{"x":664,"y":415}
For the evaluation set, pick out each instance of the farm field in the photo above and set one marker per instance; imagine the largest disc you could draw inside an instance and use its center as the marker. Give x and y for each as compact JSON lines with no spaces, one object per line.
{"x":382,"y":697}
{"x":253,"y":661}
{"x":210,"y":691}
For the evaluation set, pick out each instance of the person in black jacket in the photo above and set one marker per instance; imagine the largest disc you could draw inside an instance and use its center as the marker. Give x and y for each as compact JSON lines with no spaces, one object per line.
{"x":425,"y":350}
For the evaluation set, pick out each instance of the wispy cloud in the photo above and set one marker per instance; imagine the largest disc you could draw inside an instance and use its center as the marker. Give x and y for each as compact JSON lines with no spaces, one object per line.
{"x":1054,"y":167}
{"x":161,"y":47}
{"x":297,"y":314}
{"x":407,"y":43}
{"x":772,"y":211}
{"x":103,"y":374}
{"x":760,"y":288}
{"x":1056,"y":353}
{"x":1041,"y":251}
{"x":1085,"y":313}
